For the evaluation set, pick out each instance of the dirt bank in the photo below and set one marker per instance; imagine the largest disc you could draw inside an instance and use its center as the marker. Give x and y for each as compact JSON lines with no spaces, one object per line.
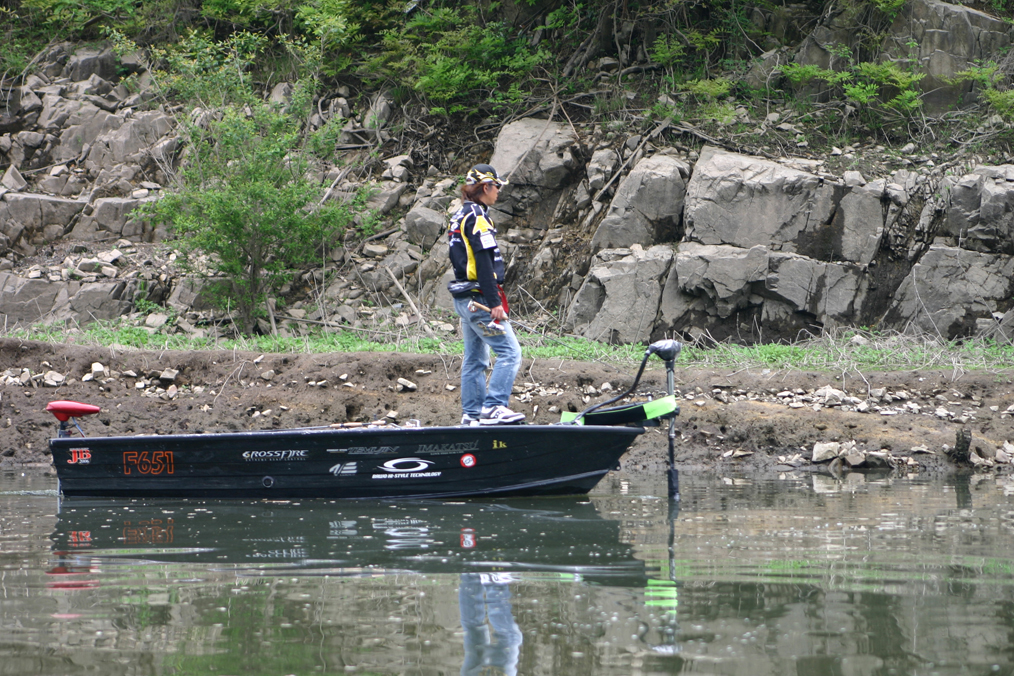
{"x":748,"y":420}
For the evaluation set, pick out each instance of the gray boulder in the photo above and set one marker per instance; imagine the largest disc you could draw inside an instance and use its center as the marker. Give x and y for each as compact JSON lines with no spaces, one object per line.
{"x":601,"y":167}
{"x":191,"y":294}
{"x":87,"y":62}
{"x":618,"y":301}
{"x":950,"y":289}
{"x":92,"y":302}
{"x":386,"y":196}
{"x":859,"y":224}
{"x":950,"y":38}
{"x":128,"y":141}
{"x":743,"y":201}
{"x":717,"y":288}
{"x":24,"y":301}
{"x":979,"y":210}
{"x":113,"y":217}
{"x":86,"y":124}
{"x":831,"y":292}
{"x":647,"y":206}
{"x":424,"y":226}
{"x":535,"y":152}
{"x":720,"y":280}
{"x":30,"y":219}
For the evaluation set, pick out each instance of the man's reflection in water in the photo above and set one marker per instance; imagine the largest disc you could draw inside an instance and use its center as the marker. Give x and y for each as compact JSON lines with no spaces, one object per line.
{"x":492,"y":637}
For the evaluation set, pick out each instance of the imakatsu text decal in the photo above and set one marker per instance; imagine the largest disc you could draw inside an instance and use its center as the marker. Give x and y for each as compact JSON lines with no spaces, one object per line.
{"x":406,"y":468}
{"x":265,"y":456}
{"x":443,"y":449}
{"x":80,"y":456}
{"x":143,"y":462}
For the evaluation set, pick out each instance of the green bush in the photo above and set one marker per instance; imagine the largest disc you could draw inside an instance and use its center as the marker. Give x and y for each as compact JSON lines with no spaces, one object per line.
{"x":871,"y":86}
{"x":450,"y":54}
{"x":1001,"y":102}
{"x":244,"y":200}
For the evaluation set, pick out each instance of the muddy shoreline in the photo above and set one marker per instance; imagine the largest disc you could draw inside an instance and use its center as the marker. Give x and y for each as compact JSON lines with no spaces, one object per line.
{"x":755,"y":421}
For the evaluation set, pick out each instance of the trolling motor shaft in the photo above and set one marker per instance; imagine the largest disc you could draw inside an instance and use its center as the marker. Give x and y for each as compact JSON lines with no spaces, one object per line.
{"x":668,"y":350}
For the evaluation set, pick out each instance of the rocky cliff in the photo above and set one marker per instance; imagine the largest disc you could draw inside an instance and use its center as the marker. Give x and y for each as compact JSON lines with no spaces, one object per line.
{"x":629,"y":236}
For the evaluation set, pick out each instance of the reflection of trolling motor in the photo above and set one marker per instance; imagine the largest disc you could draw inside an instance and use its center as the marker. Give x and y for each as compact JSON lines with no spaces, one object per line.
{"x":65,"y":411}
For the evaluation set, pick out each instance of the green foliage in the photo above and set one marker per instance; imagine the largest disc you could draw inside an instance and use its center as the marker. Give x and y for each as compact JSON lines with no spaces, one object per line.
{"x":208,"y":72}
{"x":74,"y":17}
{"x":329,"y":21}
{"x":887,"y":74}
{"x":246,"y":202}
{"x":985,"y":76}
{"x":666,"y":51}
{"x":888,"y":7}
{"x":565,"y":17}
{"x":449,"y":54}
{"x":709,"y":90}
{"x":871,"y":86}
{"x":799,"y":74}
{"x":1001,"y":102}
{"x":863,"y":93}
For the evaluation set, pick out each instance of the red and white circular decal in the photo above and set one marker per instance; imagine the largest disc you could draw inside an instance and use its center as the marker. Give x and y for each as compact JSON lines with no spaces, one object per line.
{"x":467,"y":538}
{"x":468,"y":460}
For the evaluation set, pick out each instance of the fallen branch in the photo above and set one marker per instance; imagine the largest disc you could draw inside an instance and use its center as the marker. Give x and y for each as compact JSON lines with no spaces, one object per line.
{"x":404,"y":293}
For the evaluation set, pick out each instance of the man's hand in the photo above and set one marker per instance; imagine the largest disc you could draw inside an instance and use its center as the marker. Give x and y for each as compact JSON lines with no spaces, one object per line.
{"x":497,"y":314}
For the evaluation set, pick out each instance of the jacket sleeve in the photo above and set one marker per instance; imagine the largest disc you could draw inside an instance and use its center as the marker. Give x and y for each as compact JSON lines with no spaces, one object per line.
{"x":479,"y":232}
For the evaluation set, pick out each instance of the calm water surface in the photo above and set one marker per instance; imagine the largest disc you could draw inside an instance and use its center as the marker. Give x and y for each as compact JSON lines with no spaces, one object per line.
{"x":804,"y":575}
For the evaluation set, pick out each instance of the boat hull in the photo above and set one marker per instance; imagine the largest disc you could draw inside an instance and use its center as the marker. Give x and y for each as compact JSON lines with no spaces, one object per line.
{"x":363,"y":463}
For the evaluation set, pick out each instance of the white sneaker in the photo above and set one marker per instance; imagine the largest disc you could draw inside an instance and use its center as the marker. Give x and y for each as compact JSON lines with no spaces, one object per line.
{"x":469,"y":420}
{"x":499,"y":415}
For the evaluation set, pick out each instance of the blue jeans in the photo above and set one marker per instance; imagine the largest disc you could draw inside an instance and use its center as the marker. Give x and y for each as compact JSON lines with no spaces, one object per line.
{"x":478,"y":342}
{"x":492,"y":636}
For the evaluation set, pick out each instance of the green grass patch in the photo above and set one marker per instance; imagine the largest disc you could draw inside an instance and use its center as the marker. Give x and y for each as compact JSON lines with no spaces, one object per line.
{"x":843,"y":352}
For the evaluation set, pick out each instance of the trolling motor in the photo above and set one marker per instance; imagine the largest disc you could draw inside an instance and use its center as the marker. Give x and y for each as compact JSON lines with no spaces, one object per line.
{"x":668,"y":350}
{"x":66,"y":411}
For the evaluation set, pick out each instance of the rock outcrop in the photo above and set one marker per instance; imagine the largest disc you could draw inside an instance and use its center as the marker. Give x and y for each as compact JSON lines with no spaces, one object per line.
{"x":630,"y":239}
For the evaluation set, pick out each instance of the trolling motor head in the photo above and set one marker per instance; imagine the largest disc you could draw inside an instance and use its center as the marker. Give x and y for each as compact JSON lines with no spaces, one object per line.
{"x":667,"y":350}
{"x":68,"y":410}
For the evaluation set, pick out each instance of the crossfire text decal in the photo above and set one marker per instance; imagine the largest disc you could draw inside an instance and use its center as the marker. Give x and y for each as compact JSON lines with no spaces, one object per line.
{"x":275,"y":455}
{"x":407,"y":468}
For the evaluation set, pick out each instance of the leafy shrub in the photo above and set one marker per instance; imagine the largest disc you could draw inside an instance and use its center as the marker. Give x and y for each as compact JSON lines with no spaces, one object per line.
{"x":1001,"y":102}
{"x":867,"y":84}
{"x":709,"y":90}
{"x":449,"y":54}
{"x":245,"y":201}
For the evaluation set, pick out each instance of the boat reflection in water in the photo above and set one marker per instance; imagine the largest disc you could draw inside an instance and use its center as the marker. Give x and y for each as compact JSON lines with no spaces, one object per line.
{"x":488,"y":544}
{"x":560,"y":535}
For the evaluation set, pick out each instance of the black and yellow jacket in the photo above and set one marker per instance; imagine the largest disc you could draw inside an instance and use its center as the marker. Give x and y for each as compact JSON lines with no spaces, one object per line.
{"x":474,"y":253}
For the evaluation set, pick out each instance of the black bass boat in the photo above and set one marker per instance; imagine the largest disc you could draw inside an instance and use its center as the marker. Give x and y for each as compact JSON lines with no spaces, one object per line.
{"x":369,"y":461}
{"x":518,"y":536}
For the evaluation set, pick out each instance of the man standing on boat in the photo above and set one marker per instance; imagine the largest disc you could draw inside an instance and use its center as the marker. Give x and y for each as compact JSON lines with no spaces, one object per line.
{"x":480,"y":302}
